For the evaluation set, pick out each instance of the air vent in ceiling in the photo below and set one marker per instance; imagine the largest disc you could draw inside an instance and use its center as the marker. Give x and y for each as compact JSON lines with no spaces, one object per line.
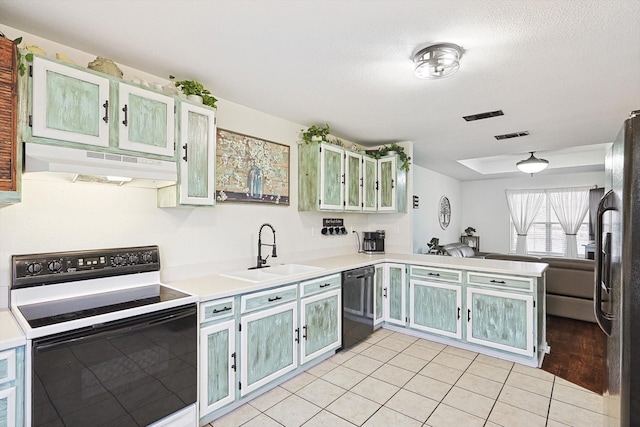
{"x":512,"y":135}
{"x":481,"y":116}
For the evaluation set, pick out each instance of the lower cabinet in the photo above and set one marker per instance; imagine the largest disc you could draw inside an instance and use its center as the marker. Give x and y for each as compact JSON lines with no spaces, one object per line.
{"x":321,"y":317}
{"x":395,"y":294}
{"x":436,"y":308}
{"x":218,"y":365}
{"x":12,"y":387}
{"x":378,"y":295}
{"x":501,"y":320}
{"x":268,"y":341}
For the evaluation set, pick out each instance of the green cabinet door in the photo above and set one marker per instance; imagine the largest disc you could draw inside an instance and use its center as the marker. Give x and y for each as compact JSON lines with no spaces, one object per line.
{"x":387,"y":184}
{"x":197,"y":155}
{"x":321,"y":316}
{"x":147,"y":121}
{"x":217,"y":366}
{"x":369,"y":173}
{"x":395,"y":310}
{"x":331,"y":177}
{"x":353,"y":181}
{"x":378,"y":295}
{"x":435,"y":308}
{"x":268,"y":341}
{"x":500,"y":320}
{"x":69,"y":104}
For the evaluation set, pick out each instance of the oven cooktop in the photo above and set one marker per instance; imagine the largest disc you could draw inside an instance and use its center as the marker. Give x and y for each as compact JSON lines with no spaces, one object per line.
{"x":63,"y":310}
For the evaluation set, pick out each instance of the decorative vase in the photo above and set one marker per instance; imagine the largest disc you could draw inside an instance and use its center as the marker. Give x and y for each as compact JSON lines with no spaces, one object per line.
{"x":106,"y":66}
{"x":195,"y":98}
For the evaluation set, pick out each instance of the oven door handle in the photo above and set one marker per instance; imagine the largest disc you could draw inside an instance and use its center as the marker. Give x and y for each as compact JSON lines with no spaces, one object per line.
{"x":115,"y":328}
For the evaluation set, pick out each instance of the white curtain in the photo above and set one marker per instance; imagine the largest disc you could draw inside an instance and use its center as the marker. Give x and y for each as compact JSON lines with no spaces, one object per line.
{"x":570,"y":205}
{"x":523,"y":207}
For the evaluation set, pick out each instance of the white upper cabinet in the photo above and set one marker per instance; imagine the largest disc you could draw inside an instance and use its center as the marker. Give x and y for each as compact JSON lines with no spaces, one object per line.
{"x":70,"y":104}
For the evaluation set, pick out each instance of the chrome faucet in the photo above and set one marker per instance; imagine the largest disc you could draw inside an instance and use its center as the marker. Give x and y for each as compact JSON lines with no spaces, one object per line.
{"x":261,"y":262}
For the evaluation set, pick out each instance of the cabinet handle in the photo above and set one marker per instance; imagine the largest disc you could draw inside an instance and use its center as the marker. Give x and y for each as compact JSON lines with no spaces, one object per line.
{"x":502,"y":282}
{"x":434,"y":274}
{"x":106,"y":111}
{"x":468,"y":315}
{"x":125,"y":109}
{"x":342,"y":179}
{"x":385,"y":292}
{"x":297,"y":338}
{"x":221,"y":310}
{"x":274,"y":299}
{"x":234,"y":362}
{"x":393,"y":182}
{"x":458,"y":313}
{"x":325,"y":285}
{"x":184,"y":147}
{"x":304,"y":333}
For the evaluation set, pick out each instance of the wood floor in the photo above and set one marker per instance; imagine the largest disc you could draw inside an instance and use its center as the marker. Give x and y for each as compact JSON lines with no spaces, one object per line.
{"x":578,"y":352}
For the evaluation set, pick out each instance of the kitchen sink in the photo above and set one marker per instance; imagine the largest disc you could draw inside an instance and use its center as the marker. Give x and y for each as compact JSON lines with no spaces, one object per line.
{"x":288,"y":269}
{"x":270,"y":273}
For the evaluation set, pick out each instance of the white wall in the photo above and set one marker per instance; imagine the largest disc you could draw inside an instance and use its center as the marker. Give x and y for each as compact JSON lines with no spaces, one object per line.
{"x":57,"y":215}
{"x":430,"y":186}
{"x":486,"y":204}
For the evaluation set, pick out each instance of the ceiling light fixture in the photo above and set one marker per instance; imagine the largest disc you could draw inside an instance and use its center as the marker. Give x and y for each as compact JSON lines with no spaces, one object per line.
{"x":532,"y":164}
{"x":439,"y":60}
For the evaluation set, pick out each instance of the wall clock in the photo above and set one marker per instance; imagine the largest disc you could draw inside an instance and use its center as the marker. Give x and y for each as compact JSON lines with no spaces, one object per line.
{"x":444,"y":212}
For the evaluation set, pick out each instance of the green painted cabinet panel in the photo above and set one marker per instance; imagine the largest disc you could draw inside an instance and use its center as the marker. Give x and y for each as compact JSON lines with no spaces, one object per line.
{"x":321,"y":316}
{"x":12,"y":387}
{"x":69,"y":104}
{"x":331,"y":177}
{"x":387,"y":184}
{"x":196,"y":159}
{"x":436,"y":308}
{"x":217,"y":364}
{"x":500,"y":320}
{"x":268,"y":341}
{"x":369,"y":173}
{"x":146,"y":122}
{"x":353,"y":181}
{"x":378,"y":294}
{"x":395,"y":311}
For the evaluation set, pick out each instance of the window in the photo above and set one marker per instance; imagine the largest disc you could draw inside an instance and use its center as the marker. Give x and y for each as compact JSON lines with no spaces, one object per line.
{"x":546,"y":237}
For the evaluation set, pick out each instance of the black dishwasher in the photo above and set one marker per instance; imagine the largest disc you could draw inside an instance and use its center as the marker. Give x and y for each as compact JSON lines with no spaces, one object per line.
{"x":357,"y":305}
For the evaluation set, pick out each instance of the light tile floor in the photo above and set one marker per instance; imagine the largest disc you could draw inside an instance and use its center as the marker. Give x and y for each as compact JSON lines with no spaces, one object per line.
{"x":393,"y":379}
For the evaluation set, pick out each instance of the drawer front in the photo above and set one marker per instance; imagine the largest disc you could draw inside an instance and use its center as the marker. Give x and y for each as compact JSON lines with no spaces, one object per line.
{"x":433,"y":273}
{"x":269,"y":298}
{"x":7,"y":366}
{"x":218,"y":309}
{"x":322,"y":284}
{"x":500,"y":281}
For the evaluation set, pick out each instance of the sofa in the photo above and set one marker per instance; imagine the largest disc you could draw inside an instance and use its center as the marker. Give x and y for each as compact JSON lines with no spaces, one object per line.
{"x":459,"y":250}
{"x":569,"y":284}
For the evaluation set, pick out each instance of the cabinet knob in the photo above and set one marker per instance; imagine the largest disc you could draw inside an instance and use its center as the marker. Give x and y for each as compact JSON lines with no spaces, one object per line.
{"x":125,"y":110}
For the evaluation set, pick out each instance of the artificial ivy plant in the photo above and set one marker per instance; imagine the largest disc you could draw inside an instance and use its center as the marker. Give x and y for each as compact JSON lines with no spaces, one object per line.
{"x":192,"y":87}
{"x":385,"y":150}
{"x":315,"y":134}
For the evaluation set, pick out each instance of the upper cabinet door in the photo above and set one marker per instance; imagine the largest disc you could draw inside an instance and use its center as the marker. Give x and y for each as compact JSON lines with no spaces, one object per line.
{"x":70,"y":104}
{"x":331,"y":177}
{"x":369,"y":174}
{"x":197,"y":155}
{"x":146,"y":121}
{"x":387,"y":184}
{"x":353,"y":181}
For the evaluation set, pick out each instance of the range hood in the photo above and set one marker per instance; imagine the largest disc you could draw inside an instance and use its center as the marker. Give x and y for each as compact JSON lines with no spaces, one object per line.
{"x":50,"y":158}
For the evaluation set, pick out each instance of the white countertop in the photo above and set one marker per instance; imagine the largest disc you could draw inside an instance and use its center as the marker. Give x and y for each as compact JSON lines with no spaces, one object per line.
{"x":216,"y":286}
{"x":10,"y":333}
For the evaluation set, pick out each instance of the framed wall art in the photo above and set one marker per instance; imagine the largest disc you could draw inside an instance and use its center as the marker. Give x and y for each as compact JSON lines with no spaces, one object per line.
{"x":444,"y":212}
{"x":250,"y":169}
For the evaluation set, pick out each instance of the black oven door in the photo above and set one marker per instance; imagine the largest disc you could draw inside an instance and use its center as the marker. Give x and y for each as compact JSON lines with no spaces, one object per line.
{"x":130,"y":372}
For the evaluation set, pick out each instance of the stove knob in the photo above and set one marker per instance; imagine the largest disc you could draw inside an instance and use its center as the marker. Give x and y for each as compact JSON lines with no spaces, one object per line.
{"x":147,"y":257}
{"x":118,"y":260}
{"x":34,"y":268}
{"x":54,"y":266}
{"x":133,"y":259}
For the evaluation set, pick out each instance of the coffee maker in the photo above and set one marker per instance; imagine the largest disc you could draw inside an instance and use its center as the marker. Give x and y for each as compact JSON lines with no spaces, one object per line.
{"x":373,"y":242}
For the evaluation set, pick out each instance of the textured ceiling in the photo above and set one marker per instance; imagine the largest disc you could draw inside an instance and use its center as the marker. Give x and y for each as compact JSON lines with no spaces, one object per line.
{"x":567,"y":71}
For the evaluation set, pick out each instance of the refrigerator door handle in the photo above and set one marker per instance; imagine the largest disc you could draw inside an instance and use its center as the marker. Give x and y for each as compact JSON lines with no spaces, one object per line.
{"x":603,"y":318}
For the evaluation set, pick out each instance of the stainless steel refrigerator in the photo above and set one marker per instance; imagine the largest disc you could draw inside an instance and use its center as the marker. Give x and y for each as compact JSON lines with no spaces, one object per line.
{"x":617,"y":283}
